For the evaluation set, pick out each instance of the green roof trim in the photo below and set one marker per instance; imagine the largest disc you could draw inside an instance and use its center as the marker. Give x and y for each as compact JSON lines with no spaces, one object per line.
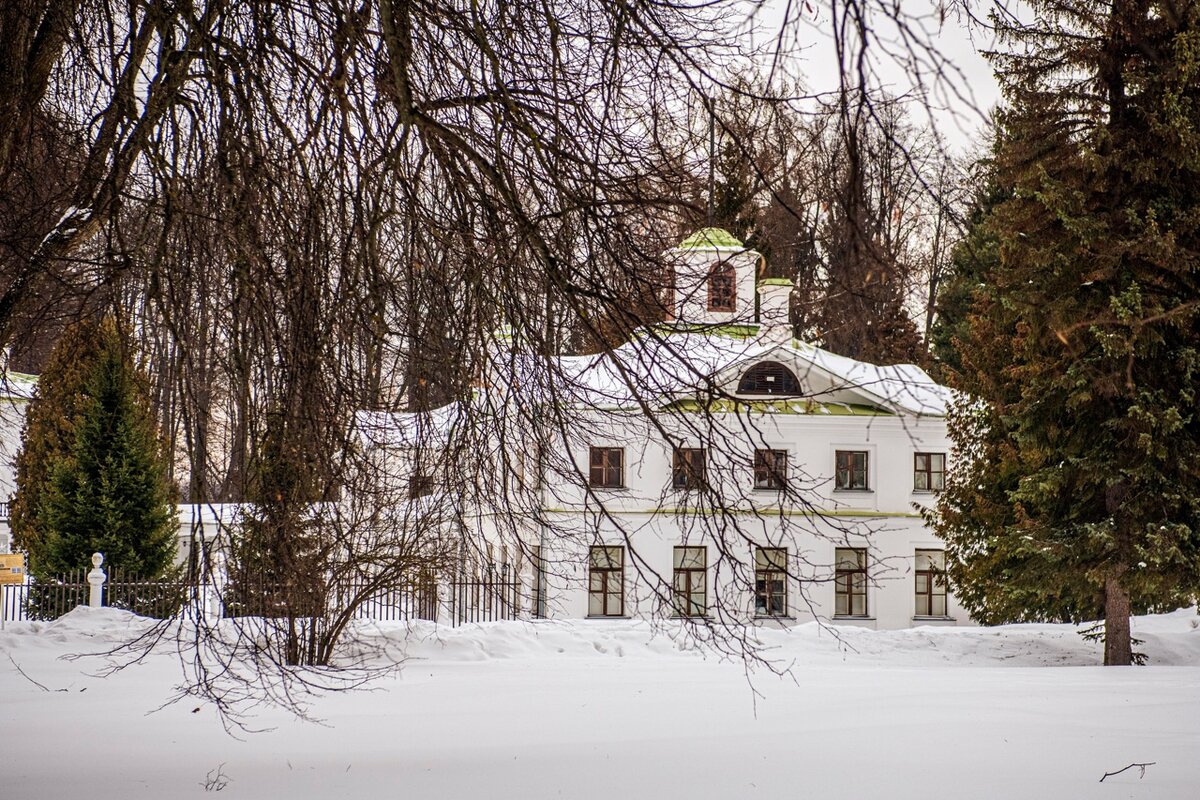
{"x":733,"y":330}
{"x":796,"y":406}
{"x":774,"y":511}
{"x":711,"y":239}
{"x":775,"y":282}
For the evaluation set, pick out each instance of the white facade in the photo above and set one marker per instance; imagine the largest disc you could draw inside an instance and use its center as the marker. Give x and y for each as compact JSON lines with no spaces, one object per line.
{"x":16,"y":390}
{"x":840,"y":539}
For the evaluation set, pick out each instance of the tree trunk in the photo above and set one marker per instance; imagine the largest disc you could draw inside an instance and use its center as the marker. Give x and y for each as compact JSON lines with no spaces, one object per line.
{"x":1118,"y":647}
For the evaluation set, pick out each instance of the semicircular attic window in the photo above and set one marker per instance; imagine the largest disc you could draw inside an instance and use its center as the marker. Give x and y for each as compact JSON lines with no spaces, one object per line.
{"x":769,"y":377}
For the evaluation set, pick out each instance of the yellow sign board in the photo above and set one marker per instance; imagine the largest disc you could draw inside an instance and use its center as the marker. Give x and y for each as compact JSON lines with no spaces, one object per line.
{"x":12,"y":568}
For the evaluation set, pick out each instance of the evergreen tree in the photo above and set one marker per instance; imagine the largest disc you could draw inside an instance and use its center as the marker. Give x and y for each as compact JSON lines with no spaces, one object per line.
{"x":110,"y":493}
{"x":1078,"y":489}
{"x":49,"y":434}
{"x":970,"y":261}
{"x":862,"y":313}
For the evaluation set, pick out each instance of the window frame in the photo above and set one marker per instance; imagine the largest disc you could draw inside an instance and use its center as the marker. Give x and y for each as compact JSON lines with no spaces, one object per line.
{"x":769,"y":571}
{"x":849,"y":584}
{"x":605,"y":469}
{"x":537,"y":588}
{"x":721,"y":298}
{"x":421,"y":484}
{"x":850,"y":471}
{"x":767,"y":470}
{"x":928,"y":472}
{"x":689,"y":468}
{"x":694,"y":582}
{"x":935,"y":584}
{"x":604,"y":573}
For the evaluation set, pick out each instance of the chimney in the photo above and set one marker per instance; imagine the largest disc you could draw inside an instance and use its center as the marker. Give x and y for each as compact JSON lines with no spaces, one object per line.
{"x":774,"y":307}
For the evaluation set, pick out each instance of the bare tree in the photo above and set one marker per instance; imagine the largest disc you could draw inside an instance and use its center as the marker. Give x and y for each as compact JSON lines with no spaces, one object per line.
{"x":307,"y":210}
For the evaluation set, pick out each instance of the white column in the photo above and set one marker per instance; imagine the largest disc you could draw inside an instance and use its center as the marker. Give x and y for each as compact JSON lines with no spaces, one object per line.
{"x":96,"y":579}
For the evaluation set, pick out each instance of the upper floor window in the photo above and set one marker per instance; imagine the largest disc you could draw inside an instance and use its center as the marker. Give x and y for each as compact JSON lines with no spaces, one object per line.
{"x":769,"y":377}
{"x":420,"y":484}
{"x":722,"y":287}
{"x":668,"y":293}
{"x":688,"y":467}
{"x":851,"y":470}
{"x":770,"y":469}
{"x":929,"y":472}
{"x":606,"y":467}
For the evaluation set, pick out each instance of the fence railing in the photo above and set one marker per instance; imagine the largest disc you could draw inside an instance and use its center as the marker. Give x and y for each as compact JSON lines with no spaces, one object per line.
{"x":44,"y":600}
{"x":457,"y":600}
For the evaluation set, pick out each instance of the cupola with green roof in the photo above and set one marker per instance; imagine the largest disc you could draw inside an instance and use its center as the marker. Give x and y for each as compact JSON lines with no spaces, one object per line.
{"x":714,"y":279}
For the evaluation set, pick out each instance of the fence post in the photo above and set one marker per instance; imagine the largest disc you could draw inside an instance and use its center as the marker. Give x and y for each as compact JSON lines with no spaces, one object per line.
{"x":96,"y":579}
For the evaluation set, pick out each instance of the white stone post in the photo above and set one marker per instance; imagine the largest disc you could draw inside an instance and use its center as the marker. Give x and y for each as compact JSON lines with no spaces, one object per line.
{"x":96,"y":579}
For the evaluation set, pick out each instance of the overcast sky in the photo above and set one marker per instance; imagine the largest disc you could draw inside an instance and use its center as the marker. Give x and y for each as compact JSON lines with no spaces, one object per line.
{"x":957,"y":102}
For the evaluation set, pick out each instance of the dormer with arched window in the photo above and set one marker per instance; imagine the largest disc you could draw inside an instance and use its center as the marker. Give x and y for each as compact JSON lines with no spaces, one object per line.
{"x":769,"y":378}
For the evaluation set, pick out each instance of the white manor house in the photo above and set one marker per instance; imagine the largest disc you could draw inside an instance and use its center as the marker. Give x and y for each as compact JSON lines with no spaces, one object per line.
{"x":712,"y":466}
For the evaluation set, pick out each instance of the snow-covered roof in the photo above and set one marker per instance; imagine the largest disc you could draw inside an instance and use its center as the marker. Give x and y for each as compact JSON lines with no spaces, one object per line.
{"x":17,"y":385}
{"x":711,"y":239}
{"x":392,"y":429}
{"x":668,"y":364}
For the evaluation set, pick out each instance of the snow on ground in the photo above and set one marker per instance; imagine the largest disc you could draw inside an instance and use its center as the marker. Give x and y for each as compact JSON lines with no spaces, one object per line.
{"x":590,"y":709}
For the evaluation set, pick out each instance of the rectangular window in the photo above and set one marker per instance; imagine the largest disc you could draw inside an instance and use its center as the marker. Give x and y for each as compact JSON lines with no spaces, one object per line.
{"x":770,"y":469}
{"x":420,"y":485}
{"x":537,"y":600}
{"x":770,"y":581}
{"x":929,"y":472}
{"x":688,"y":467}
{"x":722,"y":287}
{"x":606,"y":582}
{"x":850,"y":582}
{"x":931,"y":587}
{"x":851,"y":470}
{"x":691,"y":581}
{"x":607,"y":467}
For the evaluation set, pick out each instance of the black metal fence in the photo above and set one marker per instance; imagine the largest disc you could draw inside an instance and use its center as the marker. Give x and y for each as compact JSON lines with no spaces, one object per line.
{"x":45,"y":600}
{"x":158,"y":598}
{"x":458,"y":600}
{"x":488,"y":598}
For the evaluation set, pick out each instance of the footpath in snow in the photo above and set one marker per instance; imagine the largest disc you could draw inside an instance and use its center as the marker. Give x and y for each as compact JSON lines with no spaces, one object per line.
{"x":622,"y":709}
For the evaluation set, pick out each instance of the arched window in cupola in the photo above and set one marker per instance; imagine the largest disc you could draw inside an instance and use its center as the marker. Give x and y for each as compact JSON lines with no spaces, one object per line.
{"x":769,"y":377}
{"x":722,"y":287}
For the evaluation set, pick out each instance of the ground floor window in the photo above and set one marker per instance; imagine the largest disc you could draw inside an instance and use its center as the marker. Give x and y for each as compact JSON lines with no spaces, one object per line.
{"x":931,"y":587}
{"x":691,"y":581}
{"x":770,"y":581}
{"x":606,"y":582}
{"x":850,"y":582}
{"x":538,"y":587}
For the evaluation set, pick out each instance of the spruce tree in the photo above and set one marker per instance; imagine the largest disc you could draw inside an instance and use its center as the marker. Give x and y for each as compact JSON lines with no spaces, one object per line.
{"x":49,"y":433}
{"x":110,"y":493}
{"x":1077,"y":491}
